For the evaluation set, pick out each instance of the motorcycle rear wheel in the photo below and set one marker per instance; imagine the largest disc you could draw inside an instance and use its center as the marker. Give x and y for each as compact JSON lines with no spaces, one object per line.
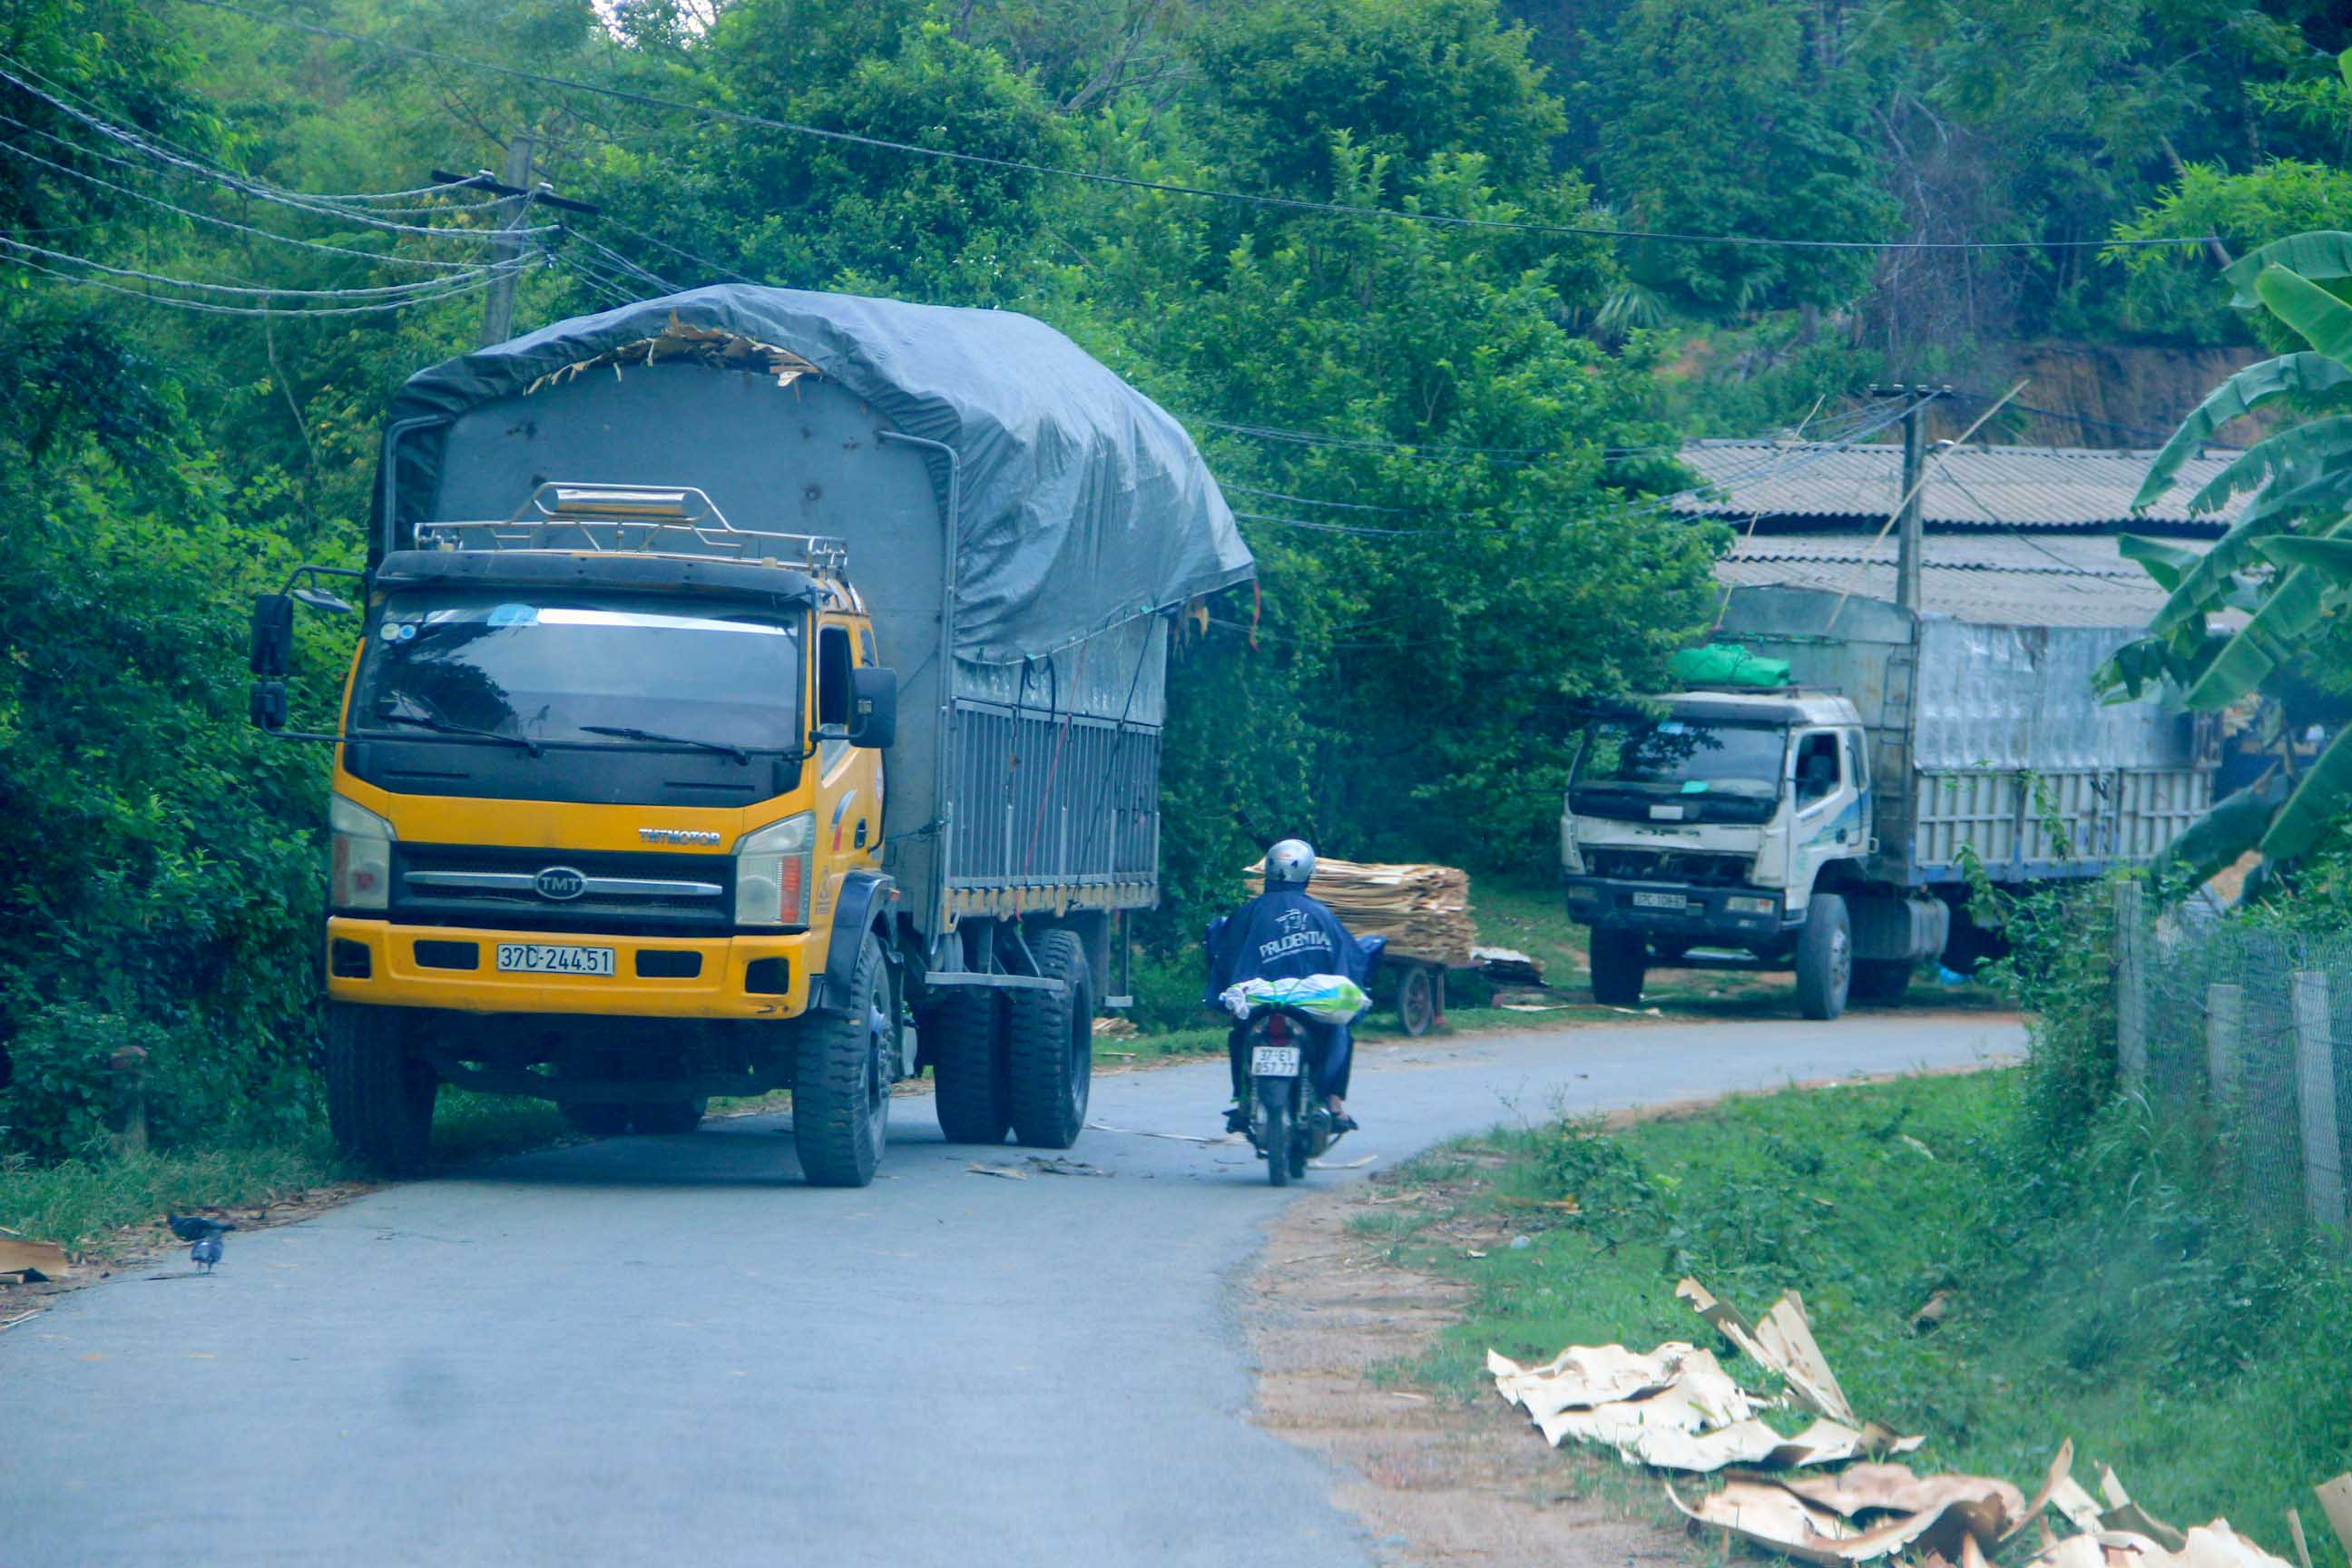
{"x":1274,"y":1099}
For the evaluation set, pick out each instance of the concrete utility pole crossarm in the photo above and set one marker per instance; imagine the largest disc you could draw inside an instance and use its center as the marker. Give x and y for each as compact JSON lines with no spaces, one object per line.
{"x":517,"y":196}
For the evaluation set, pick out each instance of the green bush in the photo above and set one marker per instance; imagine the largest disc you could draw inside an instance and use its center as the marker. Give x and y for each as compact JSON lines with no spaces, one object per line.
{"x":165,"y":872}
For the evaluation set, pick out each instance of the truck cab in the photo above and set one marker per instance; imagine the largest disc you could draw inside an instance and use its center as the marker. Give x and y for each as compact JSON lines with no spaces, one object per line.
{"x":606,"y":828}
{"x":1734,"y":829}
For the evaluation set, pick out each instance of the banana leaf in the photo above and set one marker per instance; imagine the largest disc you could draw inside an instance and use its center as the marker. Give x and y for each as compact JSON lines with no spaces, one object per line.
{"x":2202,"y":586}
{"x":2328,"y":557}
{"x":2289,"y":374}
{"x":2168,"y":563}
{"x":2318,"y":317}
{"x":2234,"y":825}
{"x":2319,"y":801}
{"x":2328,"y":253}
{"x":2295,"y":604}
{"x":2310,"y":444}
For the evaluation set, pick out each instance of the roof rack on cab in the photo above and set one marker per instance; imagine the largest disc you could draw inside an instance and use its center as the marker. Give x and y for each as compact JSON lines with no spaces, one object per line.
{"x":636,"y":520}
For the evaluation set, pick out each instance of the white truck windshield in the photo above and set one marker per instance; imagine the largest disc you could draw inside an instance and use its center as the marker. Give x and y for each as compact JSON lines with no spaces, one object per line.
{"x":580,"y":669}
{"x":1679,"y":756}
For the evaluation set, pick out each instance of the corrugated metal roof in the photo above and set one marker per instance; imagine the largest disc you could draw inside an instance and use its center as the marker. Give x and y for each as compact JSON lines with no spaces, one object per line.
{"x":1787,"y":483}
{"x":2053,"y":580}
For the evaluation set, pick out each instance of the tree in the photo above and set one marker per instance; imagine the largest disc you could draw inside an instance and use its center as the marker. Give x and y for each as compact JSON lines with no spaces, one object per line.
{"x":2284,"y":562}
{"x":1739,"y":117}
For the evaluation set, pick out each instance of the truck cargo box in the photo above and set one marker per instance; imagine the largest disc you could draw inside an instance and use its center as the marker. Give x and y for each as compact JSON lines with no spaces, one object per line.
{"x":1032,"y":650}
{"x":1990,"y":737}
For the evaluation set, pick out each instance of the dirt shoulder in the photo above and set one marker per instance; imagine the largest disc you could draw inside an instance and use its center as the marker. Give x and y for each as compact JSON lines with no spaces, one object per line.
{"x":1433,"y":1480}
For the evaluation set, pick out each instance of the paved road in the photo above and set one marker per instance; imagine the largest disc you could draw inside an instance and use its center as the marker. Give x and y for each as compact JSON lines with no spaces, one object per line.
{"x":666,"y":1349}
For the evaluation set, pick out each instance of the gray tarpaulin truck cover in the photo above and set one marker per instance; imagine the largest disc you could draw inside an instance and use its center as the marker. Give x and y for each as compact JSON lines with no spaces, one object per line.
{"x":1083,"y":503}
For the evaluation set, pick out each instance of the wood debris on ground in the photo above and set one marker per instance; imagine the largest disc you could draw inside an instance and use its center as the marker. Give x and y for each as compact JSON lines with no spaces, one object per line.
{"x":1507,"y":966}
{"x":31,"y":1261}
{"x":1677,"y":1409}
{"x":1423,"y":911}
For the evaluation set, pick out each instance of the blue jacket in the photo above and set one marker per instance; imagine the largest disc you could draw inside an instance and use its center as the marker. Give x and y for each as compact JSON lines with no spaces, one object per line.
{"x":1282,"y":934}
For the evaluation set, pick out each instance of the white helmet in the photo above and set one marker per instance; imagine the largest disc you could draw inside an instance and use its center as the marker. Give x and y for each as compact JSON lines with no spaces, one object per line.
{"x":1292,"y":861}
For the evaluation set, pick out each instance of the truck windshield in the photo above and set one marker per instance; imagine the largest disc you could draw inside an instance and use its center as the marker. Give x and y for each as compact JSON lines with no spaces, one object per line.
{"x":571,"y":668}
{"x":1680,"y":756}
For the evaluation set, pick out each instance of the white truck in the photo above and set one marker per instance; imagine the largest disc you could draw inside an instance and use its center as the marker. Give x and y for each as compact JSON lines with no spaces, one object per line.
{"x":1833,"y":825}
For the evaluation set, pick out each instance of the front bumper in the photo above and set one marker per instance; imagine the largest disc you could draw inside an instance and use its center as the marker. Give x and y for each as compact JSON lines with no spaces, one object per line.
{"x":720,"y":986}
{"x":1677,"y":909}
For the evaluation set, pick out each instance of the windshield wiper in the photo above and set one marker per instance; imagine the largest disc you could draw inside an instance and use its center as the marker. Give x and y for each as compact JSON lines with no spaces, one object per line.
{"x":631,"y":732}
{"x":444,"y":726}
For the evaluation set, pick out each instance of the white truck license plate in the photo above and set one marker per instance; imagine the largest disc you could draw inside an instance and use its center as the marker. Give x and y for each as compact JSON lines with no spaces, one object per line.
{"x":1274,"y":1061}
{"x":541,"y":958}
{"x":1658,"y":900}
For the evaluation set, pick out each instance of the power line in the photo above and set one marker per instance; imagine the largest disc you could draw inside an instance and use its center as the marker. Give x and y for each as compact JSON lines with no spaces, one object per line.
{"x":376,"y":292}
{"x":190,"y":213}
{"x":1361,"y":443}
{"x":2082,"y":419}
{"x":239,"y":182}
{"x":188,"y":153}
{"x":213,"y":308}
{"x":682,"y":254}
{"x":1326,"y":527}
{"x":1309,"y":501}
{"x":1164,"y":187}
{"x":627,"y":266}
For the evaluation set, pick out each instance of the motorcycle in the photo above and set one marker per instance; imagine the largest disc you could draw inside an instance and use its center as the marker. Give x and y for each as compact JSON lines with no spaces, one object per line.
{"x":1289,"y":1123}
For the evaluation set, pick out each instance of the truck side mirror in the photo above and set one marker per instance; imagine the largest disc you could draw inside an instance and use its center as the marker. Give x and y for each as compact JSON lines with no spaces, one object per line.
{"x":873,"y":708}
{"x":268,"y":709}
{"x":271,"y":654}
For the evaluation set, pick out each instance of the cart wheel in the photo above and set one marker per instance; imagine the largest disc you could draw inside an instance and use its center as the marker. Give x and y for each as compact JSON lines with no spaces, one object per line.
{"x":1417,"y":1001}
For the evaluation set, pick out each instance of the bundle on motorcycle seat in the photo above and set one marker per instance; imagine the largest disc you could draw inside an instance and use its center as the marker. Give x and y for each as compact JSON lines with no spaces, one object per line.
{"x":1325,"y":998}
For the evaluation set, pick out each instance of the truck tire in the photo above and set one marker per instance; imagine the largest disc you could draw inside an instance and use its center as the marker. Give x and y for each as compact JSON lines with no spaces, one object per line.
{"x":1881,"y":979}
{"x":1620,"y":962}
{"x":380,"y":1092}
{"x":841,"y":1090}
{"x":667,"y":1118}
{"x":1049,"y":1053}
{"x":968,"y":1068}
{"x":1824,"y":958}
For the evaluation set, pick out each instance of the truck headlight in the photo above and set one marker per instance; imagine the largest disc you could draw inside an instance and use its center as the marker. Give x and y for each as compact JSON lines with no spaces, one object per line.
{"x":361,"y":841}
{"x":1571,"y":859}
{"x":771,"y":873}
{"x":1739,"y":904}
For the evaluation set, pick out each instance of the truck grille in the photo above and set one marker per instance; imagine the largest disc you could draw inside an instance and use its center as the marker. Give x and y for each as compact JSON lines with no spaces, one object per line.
{"x":626,"y":894}
{"x":1700,"y":868}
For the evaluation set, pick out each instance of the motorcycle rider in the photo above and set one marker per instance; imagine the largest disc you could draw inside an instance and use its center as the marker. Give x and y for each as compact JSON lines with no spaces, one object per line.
{"x":1286,"y":934}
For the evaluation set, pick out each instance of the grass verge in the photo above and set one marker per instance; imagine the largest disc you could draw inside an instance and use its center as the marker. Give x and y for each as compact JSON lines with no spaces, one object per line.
{"x":101,"y":1210}
{"x":2091,"y":1292}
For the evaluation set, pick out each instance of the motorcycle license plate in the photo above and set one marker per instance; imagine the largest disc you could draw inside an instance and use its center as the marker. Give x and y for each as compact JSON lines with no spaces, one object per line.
{"x":544,"y":958}
{"x":1274,"y":1061}
{"x":1658,"y":901}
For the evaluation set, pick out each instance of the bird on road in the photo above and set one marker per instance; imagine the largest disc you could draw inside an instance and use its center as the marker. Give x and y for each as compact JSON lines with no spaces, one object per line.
{"x":205,"y":1233}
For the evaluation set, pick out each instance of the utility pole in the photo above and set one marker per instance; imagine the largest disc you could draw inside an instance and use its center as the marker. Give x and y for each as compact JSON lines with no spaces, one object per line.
{"x":497,"y":310}
{"x":517,"y":196}
{"x":1909,"y":548}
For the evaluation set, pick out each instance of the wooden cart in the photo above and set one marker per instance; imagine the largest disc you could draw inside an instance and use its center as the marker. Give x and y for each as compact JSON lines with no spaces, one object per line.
{"x":1421,"y":992}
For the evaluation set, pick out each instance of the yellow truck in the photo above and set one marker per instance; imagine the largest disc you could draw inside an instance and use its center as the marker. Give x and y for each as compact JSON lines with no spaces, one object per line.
{"x":744,"y":677}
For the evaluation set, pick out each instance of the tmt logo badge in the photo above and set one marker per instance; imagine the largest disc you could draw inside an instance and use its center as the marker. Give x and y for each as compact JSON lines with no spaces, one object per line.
{"x":559,"y":882}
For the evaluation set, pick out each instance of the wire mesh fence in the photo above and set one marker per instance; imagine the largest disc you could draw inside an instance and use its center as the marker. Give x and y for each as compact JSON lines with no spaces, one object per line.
{"x":2248,"y":1031}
